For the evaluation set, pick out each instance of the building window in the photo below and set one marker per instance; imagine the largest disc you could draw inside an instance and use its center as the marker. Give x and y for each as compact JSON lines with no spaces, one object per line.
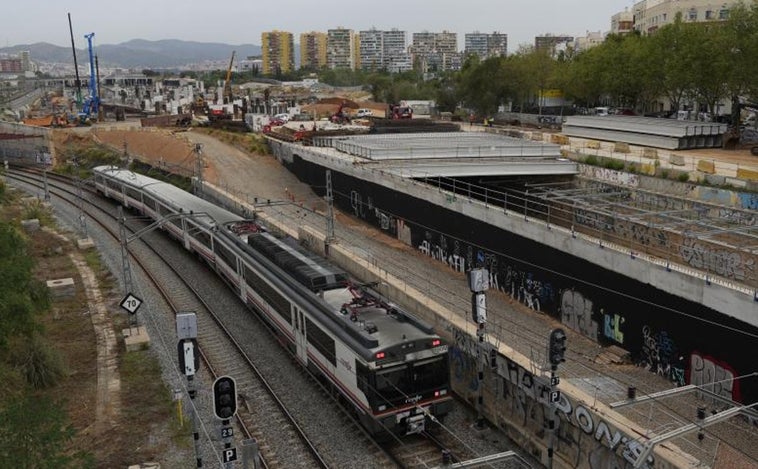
{"x":723,"y":14}
{"x":692,"y":14}
{"x":709,"y":15}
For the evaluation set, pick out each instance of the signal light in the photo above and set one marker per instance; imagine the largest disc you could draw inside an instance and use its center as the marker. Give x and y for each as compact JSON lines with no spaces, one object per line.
{"x":224,"y":397}
{"x":557,"y":347}
{"x":380,"y":355}
{"x":436,"y":342}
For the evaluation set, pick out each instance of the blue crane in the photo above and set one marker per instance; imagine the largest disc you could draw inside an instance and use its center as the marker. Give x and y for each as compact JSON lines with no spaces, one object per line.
{"x":92,"y":102}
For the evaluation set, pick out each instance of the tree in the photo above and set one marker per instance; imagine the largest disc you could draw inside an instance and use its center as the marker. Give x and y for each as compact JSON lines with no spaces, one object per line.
{"x":22,"y":295}
{"x":741,"y":32}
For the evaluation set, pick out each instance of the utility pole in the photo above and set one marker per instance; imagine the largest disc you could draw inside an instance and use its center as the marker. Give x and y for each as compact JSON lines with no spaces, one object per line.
{"x":329,"y":212}
{"x":199,"y":166}
{"x":556,"y":355}
{"x":189,"y":364}
{"x":479,"y":283}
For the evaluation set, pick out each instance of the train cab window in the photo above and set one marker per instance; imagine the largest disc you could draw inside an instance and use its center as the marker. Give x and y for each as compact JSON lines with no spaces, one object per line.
{"x":363,"y":375}
{"x":430,"y":374}
{"x":394,"y":383}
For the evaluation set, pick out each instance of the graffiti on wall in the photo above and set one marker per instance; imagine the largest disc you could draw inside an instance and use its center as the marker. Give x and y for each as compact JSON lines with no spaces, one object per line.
{"x":576,"y":313}
{"x":615,"y":177}
{"x":739,"y":217}
{"x":714,"y":376}
{"x":521,"y":285}
{"x":612,"y":327}
{"x":593,"y":220}
{"x":660,"y":355}
{"x":443,"y":250}
{"x":723,"y":262}
{"x":748,"y":201}
{"x":526,"y":396}
{"x":641,"y":234}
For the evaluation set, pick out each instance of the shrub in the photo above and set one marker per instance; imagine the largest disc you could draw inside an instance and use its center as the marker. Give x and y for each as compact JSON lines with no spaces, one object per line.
{"x":37,"y":362}
{"x":591,"y":160}
{"x":683,"y":177}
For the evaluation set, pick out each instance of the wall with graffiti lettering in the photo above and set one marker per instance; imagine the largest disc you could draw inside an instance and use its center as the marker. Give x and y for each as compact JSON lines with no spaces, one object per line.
{"x":656,"y":327}
{"x":517,"y":400}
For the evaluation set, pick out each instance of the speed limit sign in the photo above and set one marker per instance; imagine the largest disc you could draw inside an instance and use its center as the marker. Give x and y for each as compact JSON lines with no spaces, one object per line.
{"x":131,"y":303}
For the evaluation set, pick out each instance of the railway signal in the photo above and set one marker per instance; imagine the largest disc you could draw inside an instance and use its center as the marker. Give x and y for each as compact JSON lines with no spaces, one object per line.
{"x":557,"y":347}
{"x":224,"y":397}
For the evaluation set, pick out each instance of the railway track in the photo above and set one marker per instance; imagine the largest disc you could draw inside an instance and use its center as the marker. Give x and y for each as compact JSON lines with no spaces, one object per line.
{"x":224,"y":355}
{"x":220,"y":352}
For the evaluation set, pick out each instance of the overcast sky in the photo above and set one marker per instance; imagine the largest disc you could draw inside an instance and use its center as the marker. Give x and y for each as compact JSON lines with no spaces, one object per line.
{"x":241,"y":22}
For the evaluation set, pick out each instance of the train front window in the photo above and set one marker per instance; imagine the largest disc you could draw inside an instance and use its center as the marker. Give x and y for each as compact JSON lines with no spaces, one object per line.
{"x":430,"y":374}
{"x":393,"y":383}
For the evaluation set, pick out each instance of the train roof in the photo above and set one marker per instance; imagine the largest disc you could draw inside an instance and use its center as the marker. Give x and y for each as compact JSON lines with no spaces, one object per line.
{"x":386,"y":323}
{"x":170,"y":193}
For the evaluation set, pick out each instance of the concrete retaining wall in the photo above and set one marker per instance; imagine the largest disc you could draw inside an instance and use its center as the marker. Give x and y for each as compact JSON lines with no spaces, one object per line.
{"x":588,"y":435}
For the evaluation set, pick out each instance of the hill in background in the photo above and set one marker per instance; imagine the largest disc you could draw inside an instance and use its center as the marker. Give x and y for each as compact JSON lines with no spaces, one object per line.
{"x":139,"y":53}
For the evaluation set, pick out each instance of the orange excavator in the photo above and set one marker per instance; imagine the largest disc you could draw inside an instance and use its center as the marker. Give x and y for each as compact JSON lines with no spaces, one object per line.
{"x":340,"y":117}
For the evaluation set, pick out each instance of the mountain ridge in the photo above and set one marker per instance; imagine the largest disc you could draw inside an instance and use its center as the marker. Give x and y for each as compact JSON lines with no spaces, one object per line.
{"x":139,"y":53}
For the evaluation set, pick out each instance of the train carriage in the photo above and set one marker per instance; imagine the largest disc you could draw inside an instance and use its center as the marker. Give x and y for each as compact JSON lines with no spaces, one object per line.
{"x":390,"y":366}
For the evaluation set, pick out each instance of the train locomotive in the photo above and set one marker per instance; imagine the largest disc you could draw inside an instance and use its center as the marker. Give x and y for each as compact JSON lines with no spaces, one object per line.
{"x":390,"y":366}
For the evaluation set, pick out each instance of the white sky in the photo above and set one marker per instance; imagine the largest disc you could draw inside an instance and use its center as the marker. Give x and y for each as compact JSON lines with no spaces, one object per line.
{"x":241,"y":22}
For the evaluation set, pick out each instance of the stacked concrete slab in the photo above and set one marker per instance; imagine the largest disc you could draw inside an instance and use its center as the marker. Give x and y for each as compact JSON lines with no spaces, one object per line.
{"x":670,"y":134}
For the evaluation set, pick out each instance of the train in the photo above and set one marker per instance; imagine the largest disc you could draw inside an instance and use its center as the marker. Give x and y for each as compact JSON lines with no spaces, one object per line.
{"x":390,"y":366}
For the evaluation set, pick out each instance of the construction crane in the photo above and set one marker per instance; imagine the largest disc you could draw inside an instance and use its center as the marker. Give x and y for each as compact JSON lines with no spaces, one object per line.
{"x":227,"y":82}
{"x":92,"y":102}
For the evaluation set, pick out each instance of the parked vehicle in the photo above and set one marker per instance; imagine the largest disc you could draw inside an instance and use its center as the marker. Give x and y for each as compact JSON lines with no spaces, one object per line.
{"x":284,"y":117}
{"x":364,"y":113}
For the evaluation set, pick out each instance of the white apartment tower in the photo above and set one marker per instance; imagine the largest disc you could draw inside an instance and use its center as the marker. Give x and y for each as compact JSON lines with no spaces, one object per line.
{"x":651,"y":15}
{"x":486,"y":45}
{"x":383,"y":50}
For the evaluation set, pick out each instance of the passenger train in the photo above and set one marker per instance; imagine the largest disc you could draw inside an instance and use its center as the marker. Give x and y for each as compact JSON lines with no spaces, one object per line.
{"x":390,"y":366}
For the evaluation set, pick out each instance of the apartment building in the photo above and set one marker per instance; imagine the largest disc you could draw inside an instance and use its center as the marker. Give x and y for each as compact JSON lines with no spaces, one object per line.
{"x":622,"y":22}
{"x":486,"y":45}
{"x":278,"y":52}
{"x":591,"y":39}
{"x":385,"y":50}
{"x":552,"y":43}
{"x":342,"y":49}
{"x":313,"y":50}
{"x":651,"y":15}
{"x":436,"y":51}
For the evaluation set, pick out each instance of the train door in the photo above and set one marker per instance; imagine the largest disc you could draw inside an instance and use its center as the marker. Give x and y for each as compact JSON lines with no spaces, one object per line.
{"x":301,"y":339}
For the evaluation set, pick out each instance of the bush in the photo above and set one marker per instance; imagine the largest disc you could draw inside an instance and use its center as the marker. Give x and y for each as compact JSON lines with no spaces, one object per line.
{"x":37,"y":362}
{"x":591,"y":160}
{"x":683,"y":177}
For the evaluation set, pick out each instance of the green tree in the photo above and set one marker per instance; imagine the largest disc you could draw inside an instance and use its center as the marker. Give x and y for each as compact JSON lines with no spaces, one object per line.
{"x":22,"y":296}
{"x":741,"y":32}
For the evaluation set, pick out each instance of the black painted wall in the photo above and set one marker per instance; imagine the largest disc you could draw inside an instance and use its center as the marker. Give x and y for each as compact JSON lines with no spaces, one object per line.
{"x":679,"y":338}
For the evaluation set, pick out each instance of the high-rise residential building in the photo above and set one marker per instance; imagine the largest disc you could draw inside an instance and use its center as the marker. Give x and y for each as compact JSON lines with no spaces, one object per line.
{"x":592,"y":39}
{"x":622,"y":22}
{"x":650,"y":15}
{"x":436,"y":51}
{"x":486,"y":45}
{"x":278,"y":51}
{"x":383,"y":50}
{"x":313,"y":50}
{"x":550,"y":43}
{"x":341,"y":49}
